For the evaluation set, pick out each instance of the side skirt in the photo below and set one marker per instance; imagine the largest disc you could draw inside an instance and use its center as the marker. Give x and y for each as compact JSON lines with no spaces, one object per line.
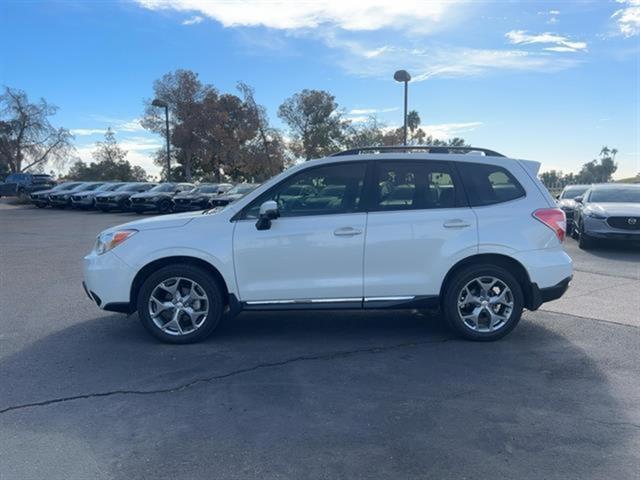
{"x":368,"y":303}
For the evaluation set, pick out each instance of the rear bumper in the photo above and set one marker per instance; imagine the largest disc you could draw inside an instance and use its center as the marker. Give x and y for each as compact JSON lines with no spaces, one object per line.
{"x":542,"y":295}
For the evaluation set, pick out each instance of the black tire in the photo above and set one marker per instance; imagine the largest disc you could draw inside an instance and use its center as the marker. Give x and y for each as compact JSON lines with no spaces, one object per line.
{"x":189,"y":272}
{"x":40,"y":205}
{"x":164,"y":206}
{"x":585,"y":242}
{"x":454,"y":289}
{"x":104,"y":209}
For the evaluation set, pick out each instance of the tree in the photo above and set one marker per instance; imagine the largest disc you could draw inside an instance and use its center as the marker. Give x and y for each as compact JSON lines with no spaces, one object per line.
{"x":27,"y":138}
{"x":601,"y":169}
{"x":110,"y":164}
{"x":183,"y":92}
{"x":265,"y":154}
{"x":315,"y":123}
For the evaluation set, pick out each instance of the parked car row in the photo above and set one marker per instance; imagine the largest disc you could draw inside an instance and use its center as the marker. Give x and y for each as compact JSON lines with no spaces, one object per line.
{"x":140,"y":197}
{"x":608,"y":211}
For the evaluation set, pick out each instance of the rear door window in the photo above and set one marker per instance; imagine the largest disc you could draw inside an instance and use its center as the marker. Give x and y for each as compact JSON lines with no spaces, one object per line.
{"x":415,"y":186}
{"x":489,"y":184}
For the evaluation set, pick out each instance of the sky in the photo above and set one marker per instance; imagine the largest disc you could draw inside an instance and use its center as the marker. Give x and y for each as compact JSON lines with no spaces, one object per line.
{"x":551,"y":81}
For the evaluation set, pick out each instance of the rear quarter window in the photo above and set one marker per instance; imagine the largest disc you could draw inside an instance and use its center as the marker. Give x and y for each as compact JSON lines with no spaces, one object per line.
{"x":489,"y":184}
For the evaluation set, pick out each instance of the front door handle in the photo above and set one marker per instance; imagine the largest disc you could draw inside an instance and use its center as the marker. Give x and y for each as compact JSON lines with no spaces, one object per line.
{"x":456,"y":223}
{"x":347,"y":232}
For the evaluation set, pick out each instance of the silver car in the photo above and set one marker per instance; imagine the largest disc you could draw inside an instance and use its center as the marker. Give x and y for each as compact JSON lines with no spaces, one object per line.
{"x":609,"y":211}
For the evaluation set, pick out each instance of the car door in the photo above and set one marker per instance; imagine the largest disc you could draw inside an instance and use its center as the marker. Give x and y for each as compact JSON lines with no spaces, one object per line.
{"x":314,"y":251}
{"x":418,"y":227}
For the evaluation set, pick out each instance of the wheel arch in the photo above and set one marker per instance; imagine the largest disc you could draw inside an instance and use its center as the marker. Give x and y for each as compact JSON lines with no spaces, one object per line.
{"x":159,"y":263}
{"x":509,"y":263}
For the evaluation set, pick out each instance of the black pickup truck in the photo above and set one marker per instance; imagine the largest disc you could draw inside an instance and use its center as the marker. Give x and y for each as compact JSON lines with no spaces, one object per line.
{"x":23,"y":184}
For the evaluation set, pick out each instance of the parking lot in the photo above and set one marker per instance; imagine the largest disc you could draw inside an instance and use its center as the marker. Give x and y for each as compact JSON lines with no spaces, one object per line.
{"x":89,"y":394}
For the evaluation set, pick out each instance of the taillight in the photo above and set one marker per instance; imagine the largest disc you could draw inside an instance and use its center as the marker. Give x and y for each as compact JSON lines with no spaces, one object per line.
{"x":554,"y":218}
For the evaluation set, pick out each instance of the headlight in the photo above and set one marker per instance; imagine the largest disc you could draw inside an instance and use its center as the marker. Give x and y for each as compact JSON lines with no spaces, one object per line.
{"x":594,"y":213}
{"x":108,"y":241}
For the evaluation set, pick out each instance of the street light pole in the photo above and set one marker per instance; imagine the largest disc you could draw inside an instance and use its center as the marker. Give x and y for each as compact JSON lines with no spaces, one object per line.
{"x":160,"y":103}
{"x":403,"y":76}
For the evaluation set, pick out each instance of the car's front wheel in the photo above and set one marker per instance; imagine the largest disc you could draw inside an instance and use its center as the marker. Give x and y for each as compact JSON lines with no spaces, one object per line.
{"x":483,"y":302}
{"x":584,"y":241}
{"x":180,"y":304}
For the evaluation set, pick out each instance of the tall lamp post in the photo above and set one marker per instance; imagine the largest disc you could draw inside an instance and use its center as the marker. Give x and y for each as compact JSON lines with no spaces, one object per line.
{"x":162,"y":104}
{"x":403,"y":76}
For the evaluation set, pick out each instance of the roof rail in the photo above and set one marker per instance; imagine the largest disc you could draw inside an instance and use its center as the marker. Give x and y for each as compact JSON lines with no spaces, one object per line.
{"x":422,"y":148}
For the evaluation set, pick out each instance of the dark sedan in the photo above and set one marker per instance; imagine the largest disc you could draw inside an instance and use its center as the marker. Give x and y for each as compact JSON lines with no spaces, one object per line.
{"x":159,"y":198}
{"x":198,"y":198}
{"x":566,"y":201}
{"x":63,"y":199}
{"x":234,"y":194}
{"x":119,"y":198}
{"x":87,"y":199}
{"x":41,"y":198}
{"x":610,"y":211}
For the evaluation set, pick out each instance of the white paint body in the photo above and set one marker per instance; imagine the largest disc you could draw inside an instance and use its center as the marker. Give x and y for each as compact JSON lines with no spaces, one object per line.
{"x":349,"y":256}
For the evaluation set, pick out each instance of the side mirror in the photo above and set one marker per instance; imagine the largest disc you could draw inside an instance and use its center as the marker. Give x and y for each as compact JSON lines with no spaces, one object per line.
{"x":558,"y":197}
{"x":268,"y":212}
{"x":578,"y":199}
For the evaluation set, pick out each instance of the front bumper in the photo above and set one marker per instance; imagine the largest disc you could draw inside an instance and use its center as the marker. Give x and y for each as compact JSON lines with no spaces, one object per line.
{"x":107,"y":280}
{"x":142,"y":206}
{"x":58,"y":201}
{"x":111,"y":202}
{"x":82,"y":202}
{"x":599,"y":228}
{"x":179,"y":206}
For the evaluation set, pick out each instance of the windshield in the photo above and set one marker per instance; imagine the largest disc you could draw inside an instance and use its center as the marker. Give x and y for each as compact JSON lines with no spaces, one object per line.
{"x":573,"y":192}
{"x":65,"y":186}
{"x":207,"y":189}
{"x":163,"y":187}
{"x":615,"y":195}
{"x":91,"y":186}
{"x":128,"y":187}
{"x":241,"y":189}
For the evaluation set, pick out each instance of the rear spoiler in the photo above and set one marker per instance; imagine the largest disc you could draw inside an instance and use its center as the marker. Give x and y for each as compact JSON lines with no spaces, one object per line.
{"x":531,"y":167}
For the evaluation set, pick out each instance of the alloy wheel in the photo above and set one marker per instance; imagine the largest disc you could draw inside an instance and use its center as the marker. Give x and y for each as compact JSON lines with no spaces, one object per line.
{"x":178,"y":306}
{"x":485,"y":304}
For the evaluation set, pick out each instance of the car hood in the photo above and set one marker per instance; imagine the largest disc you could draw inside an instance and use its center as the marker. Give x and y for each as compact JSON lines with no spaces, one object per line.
{"x":154,"y":223}
{"x":617,"y":209}
{"x":113,"y":194}
{"x":43,"y":192}
{"x":151,"y":194}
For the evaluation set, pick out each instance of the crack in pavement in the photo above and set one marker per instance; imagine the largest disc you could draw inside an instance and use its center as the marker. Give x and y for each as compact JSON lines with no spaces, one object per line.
{"x":241,"y":371}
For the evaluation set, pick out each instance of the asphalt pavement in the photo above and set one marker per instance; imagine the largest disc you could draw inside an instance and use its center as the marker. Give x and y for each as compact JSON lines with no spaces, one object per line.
{"x":88,"y":394}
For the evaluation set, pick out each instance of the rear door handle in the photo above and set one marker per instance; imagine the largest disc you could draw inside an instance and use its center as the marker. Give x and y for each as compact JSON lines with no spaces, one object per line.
{"x":456,"y":223}
{"x":347,"y":232}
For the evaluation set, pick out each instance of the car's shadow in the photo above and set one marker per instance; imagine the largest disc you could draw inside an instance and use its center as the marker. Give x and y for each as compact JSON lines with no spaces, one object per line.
{"x":320,"y":395}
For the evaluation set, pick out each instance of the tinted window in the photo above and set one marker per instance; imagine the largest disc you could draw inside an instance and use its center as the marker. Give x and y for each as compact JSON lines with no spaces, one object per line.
{"x":573,"y":192}
{"x":489,"y":184}
{"x":164,"y":187}
{"x":620,"y":194}
{"x":317,"y":191}
{"x":414,"y":185}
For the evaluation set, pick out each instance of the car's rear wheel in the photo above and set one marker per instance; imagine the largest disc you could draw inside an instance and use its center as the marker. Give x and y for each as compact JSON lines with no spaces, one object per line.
{"x":483,"y":302}
{"x":180,"y":304}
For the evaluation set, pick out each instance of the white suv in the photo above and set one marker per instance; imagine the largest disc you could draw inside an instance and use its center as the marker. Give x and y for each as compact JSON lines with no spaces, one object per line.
{"x":474,"y":234}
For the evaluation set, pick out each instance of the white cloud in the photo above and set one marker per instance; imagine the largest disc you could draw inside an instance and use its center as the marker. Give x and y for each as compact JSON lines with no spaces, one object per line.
{"x":371,"y":111}
{"x":83,"y":132}
{"x":628,"y":18}
{"x":521,"y":37}
{"x":140,"y":151}
{"x":193,"y":20}
{"x":442,"y":131}
{"x":293,"y":14}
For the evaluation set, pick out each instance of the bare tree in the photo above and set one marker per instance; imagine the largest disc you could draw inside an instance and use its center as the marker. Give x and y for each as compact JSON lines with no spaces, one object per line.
{"x":27,"y":138}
